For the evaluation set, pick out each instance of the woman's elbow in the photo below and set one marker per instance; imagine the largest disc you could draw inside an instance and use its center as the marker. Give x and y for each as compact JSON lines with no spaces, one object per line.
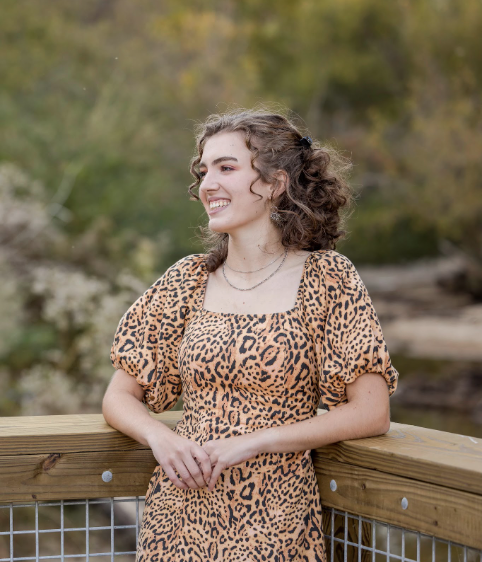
{"x":370,"y":393}
{"x":121,"y":385}
{"x":385,"y":425}
{"x":107,"y":403}
{"x":384,"y":416}
{"x":111,"y":389}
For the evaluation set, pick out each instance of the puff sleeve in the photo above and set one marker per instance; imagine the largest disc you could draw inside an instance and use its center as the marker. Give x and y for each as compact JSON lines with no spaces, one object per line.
{"x":351,"y":341}
{"x":147,"y":340}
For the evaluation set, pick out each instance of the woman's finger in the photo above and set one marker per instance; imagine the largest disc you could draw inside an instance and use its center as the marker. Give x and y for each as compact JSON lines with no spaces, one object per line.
{"x":185,"y":473}
{"x":196,"y":479}
{"x":214,"y":476}
{"x":204,"y":463}
{"x":169,"y":470}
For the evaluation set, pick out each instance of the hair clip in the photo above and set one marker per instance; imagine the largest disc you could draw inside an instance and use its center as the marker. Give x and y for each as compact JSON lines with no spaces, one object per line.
{"x":306,"y":142}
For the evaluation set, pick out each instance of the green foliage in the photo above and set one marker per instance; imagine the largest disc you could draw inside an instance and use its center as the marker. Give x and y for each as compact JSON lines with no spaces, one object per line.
{"x":108,"y":92}
{"x":60,"y":303}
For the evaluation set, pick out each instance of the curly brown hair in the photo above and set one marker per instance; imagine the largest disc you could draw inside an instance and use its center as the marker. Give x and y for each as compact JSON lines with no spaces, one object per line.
{"x":316,"y":192}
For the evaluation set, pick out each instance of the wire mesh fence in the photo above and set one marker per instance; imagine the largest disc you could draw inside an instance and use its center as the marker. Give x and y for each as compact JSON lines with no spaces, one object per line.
{"x":77,"y":529}
{"x":108,"y":528}
{"x":352,"y":538}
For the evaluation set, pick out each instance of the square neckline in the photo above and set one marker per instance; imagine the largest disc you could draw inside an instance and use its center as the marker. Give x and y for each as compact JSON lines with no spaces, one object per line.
{"x":295,"y":308}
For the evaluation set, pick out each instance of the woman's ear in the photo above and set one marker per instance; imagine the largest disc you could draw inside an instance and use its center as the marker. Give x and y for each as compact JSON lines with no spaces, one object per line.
{"x":281,"y":183}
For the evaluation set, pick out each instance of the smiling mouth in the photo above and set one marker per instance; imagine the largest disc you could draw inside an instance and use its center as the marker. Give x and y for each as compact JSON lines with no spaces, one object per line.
{"x":217,"y":204}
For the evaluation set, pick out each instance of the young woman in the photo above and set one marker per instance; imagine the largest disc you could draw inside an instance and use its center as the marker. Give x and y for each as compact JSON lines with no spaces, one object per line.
{"x":255,"y":333}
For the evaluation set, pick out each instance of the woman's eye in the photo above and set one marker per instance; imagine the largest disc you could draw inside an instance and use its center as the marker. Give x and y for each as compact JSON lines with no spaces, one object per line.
{"x":223,"y":169}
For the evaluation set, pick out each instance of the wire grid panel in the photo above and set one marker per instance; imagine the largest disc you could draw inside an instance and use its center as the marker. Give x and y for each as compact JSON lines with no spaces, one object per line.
{"x":353,"y":538}
{"x":109,"y":528}
{"x":74,"y":529}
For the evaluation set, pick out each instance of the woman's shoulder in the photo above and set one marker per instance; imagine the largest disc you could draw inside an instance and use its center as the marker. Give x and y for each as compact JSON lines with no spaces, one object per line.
{"x":330,"y":265}
{"x":188,"y":265}
{"x":185,"y":271}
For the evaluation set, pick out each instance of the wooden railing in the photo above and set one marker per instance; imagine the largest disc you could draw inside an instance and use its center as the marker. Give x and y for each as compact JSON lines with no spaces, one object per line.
{"x":419,"y":479}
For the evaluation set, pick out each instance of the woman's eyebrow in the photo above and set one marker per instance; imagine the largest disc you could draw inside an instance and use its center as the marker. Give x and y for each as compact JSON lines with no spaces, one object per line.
{"x":218,"y":160}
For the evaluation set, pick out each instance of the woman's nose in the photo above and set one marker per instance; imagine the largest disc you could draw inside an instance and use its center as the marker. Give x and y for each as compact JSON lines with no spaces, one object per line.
{"x":209,"y":183}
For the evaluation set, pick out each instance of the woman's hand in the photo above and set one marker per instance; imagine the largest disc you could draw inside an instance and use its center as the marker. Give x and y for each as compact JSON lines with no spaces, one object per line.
{"x":199,"y":466}
{"x":224,"y":453}
{"x":176,"y":453}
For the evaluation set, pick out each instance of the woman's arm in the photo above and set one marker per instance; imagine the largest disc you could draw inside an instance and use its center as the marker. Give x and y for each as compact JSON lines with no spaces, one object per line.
{"x":366,"y":414}
{"x":123,"y":409}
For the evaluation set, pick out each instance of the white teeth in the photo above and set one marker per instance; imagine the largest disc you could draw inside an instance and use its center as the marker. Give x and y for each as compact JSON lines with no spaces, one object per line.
{"x":221,"y":203}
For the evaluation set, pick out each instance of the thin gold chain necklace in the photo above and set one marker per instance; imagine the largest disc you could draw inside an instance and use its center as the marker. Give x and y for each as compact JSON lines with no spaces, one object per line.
{"x":257,"y":284}
{"x":254,"y":270}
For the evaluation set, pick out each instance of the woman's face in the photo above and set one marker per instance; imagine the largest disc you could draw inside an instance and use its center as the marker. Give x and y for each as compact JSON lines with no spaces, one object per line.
{"x":226,"y":175}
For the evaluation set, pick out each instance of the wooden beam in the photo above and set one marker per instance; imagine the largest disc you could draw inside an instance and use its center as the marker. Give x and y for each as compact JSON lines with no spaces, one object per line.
{"x":430,"y":509}
{"x":439,"y":473}
{"x":60,"y":476}
{"x":429,"y":455}
{"x":438,"y":457}
{"x":66,"y":434}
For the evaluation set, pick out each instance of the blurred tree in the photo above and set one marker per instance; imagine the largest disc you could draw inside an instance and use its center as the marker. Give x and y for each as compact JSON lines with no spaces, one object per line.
{"x":57,"y":318}
{"x":111,"y":90}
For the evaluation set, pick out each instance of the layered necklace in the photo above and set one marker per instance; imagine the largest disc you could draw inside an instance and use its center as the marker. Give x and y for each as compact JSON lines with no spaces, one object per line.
{"x":254,"y":271}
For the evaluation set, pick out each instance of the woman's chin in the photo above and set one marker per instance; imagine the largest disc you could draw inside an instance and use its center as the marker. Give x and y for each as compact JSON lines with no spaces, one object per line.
{"x":219,"y":226}
{"x":221,"y":229}
{"x":218,"y":230}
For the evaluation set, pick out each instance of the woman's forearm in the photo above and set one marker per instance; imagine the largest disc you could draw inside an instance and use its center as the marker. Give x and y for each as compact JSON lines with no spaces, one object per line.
{"x":348,"y":421}
{"x":366,"y":414}
{"x":127,"y":414}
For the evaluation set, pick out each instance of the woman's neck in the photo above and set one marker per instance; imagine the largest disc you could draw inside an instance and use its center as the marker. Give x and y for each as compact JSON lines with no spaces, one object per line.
{"x":254,"y":252}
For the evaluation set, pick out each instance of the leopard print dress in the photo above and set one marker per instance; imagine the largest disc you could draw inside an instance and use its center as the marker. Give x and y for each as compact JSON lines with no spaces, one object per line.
{"x":240,"y":373}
